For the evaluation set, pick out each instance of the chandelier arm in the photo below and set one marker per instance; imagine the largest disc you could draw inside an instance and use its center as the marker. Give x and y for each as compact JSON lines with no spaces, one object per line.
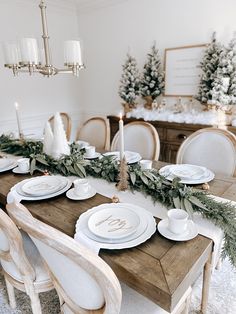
{"x":45,"y":36}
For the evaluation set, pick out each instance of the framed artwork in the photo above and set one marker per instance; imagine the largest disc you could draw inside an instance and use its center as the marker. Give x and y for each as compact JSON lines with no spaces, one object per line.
{"x":182,"y":70}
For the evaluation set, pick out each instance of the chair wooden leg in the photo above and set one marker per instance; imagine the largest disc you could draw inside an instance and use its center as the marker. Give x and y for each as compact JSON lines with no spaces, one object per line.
{"x":11,"y":294}
{"x":35,"y":303}
{"x":187,"y":305}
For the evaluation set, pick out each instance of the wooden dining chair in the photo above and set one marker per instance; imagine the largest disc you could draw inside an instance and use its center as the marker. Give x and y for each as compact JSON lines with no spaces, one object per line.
{"x":140,"y":137}
{"x":22,"y":265}
{"x":212,"y":148}
{"x":66,"y":122}
{"x":84,"y":282}
{"x":96,"y":131}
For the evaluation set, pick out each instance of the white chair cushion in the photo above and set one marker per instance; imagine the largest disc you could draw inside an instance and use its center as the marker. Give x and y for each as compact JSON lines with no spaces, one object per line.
{"x":135,"y":303}
{"x":211,"y":150}
{"x":94,"y":132}
{"x":34,"y":258}
{"x":76,"y":282}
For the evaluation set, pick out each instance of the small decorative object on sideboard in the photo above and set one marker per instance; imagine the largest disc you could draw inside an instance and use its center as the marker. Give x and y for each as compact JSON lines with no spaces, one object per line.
{"x":178,"y":107}
{"x":129,"y":84}
{"x":152,"y":81}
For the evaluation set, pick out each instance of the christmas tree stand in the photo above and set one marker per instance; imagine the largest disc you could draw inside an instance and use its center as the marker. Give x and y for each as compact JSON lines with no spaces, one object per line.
{"x":149,"y":101}
{"x":128,"y":107}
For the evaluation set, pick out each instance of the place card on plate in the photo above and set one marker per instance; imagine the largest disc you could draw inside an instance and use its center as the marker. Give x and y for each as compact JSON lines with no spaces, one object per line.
{"x":111,"y":223}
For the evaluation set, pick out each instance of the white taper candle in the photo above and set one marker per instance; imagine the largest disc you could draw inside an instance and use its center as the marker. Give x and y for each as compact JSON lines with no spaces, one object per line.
{"x":18,"y":120}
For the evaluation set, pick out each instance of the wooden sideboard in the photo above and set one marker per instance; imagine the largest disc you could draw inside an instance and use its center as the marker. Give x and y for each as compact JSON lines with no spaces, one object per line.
{"x":171,"y":134}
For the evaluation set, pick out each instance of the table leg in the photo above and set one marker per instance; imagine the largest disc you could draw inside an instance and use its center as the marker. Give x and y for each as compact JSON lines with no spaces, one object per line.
{"x":206,"y":284}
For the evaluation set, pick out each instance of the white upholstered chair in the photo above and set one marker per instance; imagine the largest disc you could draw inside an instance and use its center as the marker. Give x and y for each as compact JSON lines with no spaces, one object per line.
{"x":82,"y":279}
{"x":66,"y":121}
{"x":212,"y":148}
{"x":96,"y":131}
{"x":22,"y":265}
{"x":140,"y":137}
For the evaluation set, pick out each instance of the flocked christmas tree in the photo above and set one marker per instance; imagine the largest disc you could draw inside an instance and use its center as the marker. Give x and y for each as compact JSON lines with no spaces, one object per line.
{"x":209,"y":66}
{"x":152,"y":81}
{"x":232,"y":76}
{"x":130,"y":83}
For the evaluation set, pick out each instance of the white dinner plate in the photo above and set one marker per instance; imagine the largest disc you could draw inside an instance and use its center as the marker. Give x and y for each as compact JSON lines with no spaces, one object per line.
{"x":7,"y":164}
{"x":166,"y":172}
{"x":186,"y":171}
{"x":17,"y":187}
{"x":190,"y":233}
{"x":131,"y":157}
{"x":110,"y":223}
{"x":71,"y":195}
{"x":43,"y":185}
{"x":145,"y":230}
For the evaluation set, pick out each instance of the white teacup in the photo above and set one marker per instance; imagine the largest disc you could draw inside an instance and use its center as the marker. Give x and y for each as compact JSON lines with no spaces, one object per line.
{"x":146,"y":164}
{"x":23,"y":164}
{"x":81,"y":187}
{"x":178,"y":220}
{"x":90,"y":151}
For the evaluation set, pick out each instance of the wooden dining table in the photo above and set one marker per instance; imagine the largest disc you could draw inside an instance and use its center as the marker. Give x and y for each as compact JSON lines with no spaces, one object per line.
{"x":159,"y":269}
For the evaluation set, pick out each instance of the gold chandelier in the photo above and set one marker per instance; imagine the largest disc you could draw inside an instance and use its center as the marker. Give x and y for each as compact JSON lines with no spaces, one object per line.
{"x":26,"y":57}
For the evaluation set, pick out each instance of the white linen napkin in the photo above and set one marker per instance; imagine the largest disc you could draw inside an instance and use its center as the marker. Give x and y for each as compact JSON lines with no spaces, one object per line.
{"x":81,"y":238}
{"x":13,"y":197}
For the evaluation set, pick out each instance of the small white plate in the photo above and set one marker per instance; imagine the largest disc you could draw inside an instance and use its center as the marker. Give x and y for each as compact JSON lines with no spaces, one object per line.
{"x":18,"y":171}
{"x":166,"y":172}
{"x":71,"y":195}
{"x":7,"y":164}
{"x":189,"y":234}
{"x":131,"y":157}
{"x":110,"y":223}
{"x":189,"y":172}
{"x":96,"y":155}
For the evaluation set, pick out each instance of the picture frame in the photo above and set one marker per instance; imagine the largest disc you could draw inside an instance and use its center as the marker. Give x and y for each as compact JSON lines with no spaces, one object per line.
{"x":182,"y":70}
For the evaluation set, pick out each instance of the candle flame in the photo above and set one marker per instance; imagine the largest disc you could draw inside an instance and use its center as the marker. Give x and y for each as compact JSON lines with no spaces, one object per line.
{"x":120,"y":115}
{"x":16,"y":105}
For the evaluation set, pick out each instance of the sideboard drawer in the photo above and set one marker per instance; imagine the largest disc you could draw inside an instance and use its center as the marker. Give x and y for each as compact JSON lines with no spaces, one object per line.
{"x":177,"y":136}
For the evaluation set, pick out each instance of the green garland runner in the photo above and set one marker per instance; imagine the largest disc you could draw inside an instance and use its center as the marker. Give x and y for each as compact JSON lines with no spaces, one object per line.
{"x":149,"y":182}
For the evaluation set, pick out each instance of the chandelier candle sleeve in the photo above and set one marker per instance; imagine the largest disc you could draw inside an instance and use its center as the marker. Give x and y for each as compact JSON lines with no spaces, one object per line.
{"x":72,"y":52}
{"x":29,"y":50}
{"x":121,"y":137}
{"x":12,"y":54}
{"x":18,"y":120}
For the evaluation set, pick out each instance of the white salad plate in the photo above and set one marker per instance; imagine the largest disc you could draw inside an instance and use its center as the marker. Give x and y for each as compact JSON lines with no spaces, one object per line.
{"x":96,"y":155}
{"x":190,"y":233}
{"x":7,"y":164}
{"x":75,"y":197}
{"x":44,"y":185}
{"x":110,"y":223}
{"x":18,"y":171}
{"x":167,"y":172}
{"x":131,"y":157}
{"x":26,"y":197}
{"x":145,"y":230}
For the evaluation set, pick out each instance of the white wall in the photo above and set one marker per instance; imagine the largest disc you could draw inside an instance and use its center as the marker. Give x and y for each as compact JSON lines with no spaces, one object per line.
{"x":38,"y":96}
{"x":108,"y":32}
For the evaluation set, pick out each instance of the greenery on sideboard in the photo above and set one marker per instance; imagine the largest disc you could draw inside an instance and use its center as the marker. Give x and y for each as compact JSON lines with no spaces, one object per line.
{"x":149,"y":182}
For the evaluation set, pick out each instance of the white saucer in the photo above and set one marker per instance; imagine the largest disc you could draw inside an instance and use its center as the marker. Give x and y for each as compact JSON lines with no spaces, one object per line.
{"x":96,"y":155}
{"x":71,"y":195}
{"x":189,"y":234}
{"x":17,"y":170}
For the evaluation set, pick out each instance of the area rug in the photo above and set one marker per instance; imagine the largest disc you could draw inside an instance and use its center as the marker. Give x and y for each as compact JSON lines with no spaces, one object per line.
{"x":222,"y":298}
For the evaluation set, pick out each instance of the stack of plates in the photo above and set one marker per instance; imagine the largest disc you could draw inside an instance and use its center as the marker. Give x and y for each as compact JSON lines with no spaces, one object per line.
{"x":7,"y":164}
{"x":116,"y":226}
{"x":189,"y":174}
{"x":43,"y":187}
{"x":131,"y":157}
